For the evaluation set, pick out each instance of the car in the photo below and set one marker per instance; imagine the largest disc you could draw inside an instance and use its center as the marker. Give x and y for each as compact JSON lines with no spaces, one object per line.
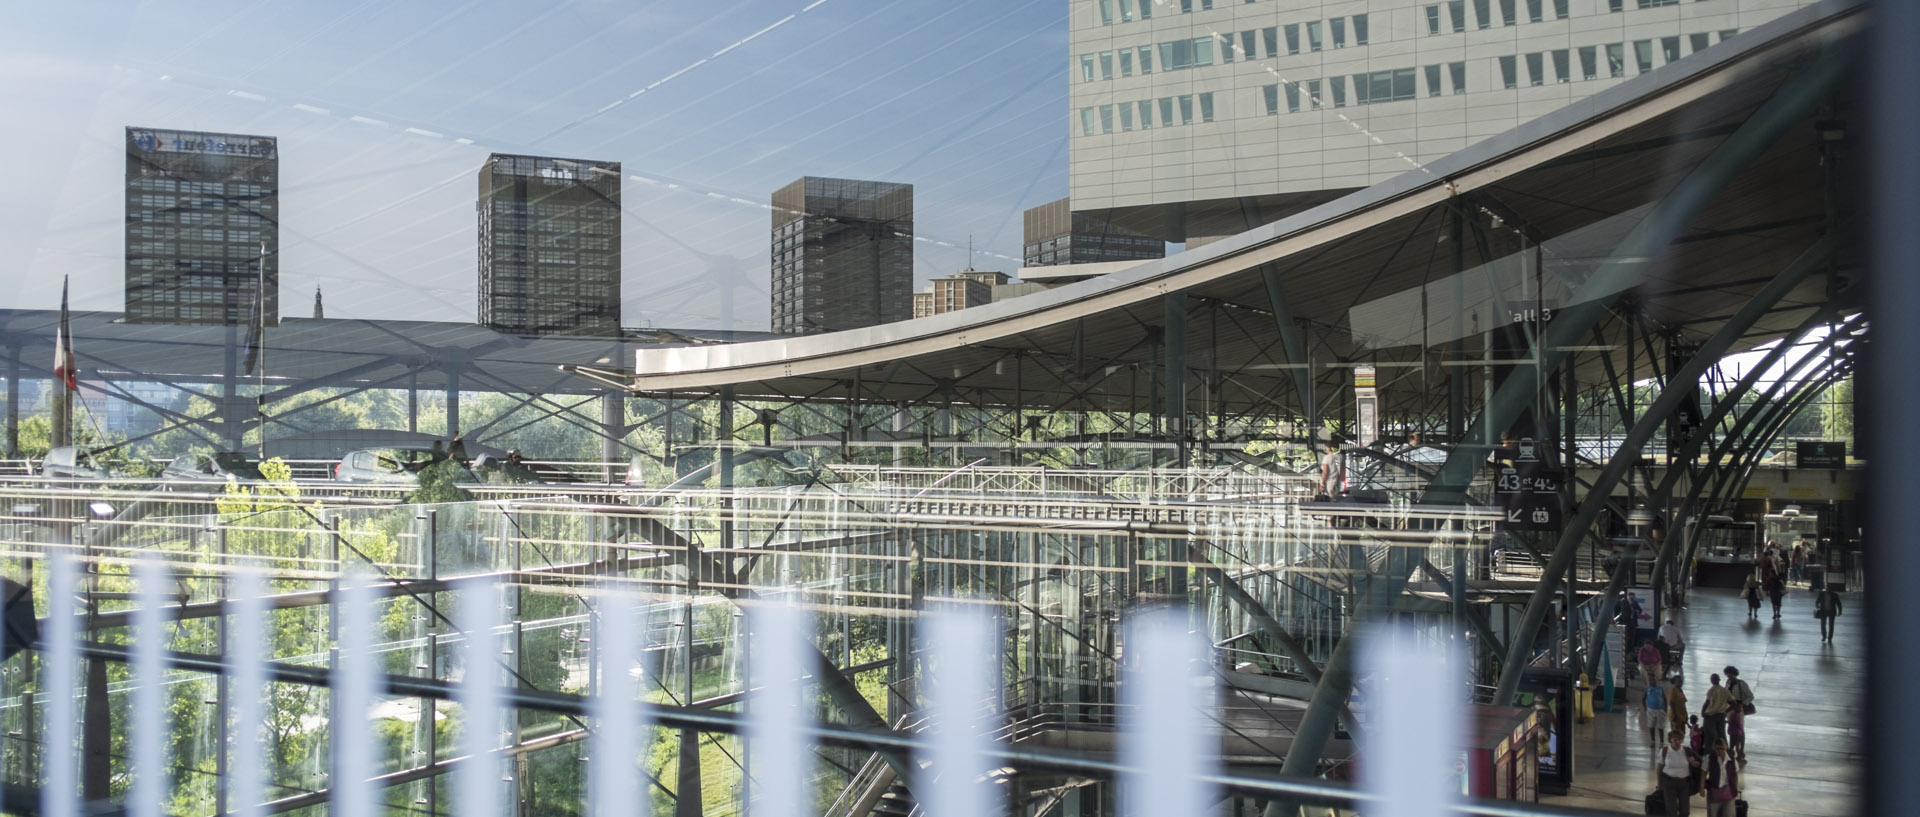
{"x":389,"y":465}
{"x":72,"y":462}
{"x":215,"y":467}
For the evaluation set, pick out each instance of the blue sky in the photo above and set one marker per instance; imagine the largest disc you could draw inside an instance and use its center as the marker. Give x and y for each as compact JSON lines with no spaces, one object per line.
{"x":385,"y":111}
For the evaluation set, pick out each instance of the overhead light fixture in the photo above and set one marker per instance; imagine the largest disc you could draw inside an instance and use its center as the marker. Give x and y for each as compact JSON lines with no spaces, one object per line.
{"x":101,"y":509}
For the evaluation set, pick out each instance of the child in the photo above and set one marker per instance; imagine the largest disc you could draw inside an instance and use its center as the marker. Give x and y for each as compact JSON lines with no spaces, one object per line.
{"x":1696,"y":739}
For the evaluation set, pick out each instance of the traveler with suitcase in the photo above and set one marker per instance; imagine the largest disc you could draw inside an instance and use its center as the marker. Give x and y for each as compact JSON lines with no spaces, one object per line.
{"x":1676,"y":763}
{"x":1722,"y":785}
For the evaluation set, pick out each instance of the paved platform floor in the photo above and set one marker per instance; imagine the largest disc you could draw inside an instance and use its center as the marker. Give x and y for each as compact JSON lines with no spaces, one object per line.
{"x":1804,"y":740}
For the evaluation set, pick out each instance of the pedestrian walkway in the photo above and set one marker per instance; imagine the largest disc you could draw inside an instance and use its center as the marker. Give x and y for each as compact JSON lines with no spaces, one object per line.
{"x":1805,"y":738}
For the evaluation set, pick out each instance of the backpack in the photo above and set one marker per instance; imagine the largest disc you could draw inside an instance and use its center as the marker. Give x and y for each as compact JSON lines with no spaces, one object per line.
{"x":1656,"y":699}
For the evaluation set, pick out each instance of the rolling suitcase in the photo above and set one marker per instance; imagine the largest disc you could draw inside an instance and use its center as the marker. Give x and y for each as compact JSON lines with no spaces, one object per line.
{"x":1656,"y":805}
{"x":1739,"y":808}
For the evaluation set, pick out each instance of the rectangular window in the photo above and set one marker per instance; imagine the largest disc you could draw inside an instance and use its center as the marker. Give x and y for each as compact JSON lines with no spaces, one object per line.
{"x":1126,"y":117}
{"x":1126,"y":62}
{"x":1507,"y":14}
{"x":1508,"y":69}
{"x":1433,"y":19}
{"x":1559,"y":9}
{"x":1270,"y":94}
{"x":1313,"y":36}
{"x":1172,"y":61}
{"x":1086,"y":121}
{"x":1361,"y":89}
{"x":1226,"y":48}
{"x":1166,"y":111}
{"x":1536,"y":10}
{"x":1206,"y":4}
{"x":1433,"y":80}
{"x":1457,"y":14}
{"x":1359,"y":29}
{"x":1615,"y":5}
{"x":1293,"y":98}
{"x":1146,"y":114}
{"x":1536,"y":73}
{"x":1337,"y":88}
{"x":1206,"y":107}
{"x":1246,"y":46}
{"x":1697,"y":42}
{"x":1483,"y":13}
{"x":1106,"y":12}
{"x":1643,"y":54}
{"x":1670,"y":50}
{"x":1727,"y":34}
{"x":1589,"y":62}
{"x":1459,"y":72}
{"x":1146,"y":59}
{"x":1561,"y":73}
{"x":1202,"y":51}
{"x":1293,"y":40}
{"x":1106,"y":65}
{"x":1106,"y":118}
{"x":1616,"y":60}
{"x":1086,"y":67}
{"x":1339,"y":27}
{"x":1186,"y":109}
{"x":1313,"y":93}
{"x":1146,"y":9}
{"x":1126,"y":11}
{"x":1186,"y":6}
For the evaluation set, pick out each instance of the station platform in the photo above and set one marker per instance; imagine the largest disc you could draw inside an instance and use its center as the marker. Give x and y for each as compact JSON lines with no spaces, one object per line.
{"x":1804,"y":741}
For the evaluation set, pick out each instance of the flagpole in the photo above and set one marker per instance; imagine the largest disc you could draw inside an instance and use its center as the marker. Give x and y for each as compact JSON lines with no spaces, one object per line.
{"x":62,"y":432}
{"x":260,"y":302}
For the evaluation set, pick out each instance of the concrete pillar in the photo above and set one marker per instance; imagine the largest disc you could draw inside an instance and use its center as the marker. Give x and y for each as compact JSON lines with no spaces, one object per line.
{"x":13,"y":402}
{"x":613,"y":424}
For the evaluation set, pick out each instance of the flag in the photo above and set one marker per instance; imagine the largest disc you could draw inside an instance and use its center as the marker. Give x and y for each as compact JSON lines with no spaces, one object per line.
{"x":64,"y":367}
{"x":257,"y":321}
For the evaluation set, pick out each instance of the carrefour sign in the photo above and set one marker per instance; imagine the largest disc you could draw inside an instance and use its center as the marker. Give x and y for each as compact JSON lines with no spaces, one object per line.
{"x":150,"y":141}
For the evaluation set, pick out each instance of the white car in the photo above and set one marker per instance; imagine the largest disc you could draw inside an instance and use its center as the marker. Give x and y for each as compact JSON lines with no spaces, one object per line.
{"x":72,"y":462}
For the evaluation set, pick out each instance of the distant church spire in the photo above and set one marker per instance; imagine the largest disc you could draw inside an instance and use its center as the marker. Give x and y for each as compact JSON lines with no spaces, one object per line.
{"x":318,"y":312}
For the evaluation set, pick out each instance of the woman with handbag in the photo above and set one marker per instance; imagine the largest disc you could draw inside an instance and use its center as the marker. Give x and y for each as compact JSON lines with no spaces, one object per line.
{"x":1751,"y":592}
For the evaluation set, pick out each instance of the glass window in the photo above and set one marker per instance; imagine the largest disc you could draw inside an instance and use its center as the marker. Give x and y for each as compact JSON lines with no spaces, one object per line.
{"x":1483,"y":13}
{"x":1106,"y":65}
{"x":1126,"y":62}
{"x":1293,"y":98}
{"x":1727,"y":34}
{"x":1293,"y":40}
{"x":1106,"y":118}
{"x":1146,"y":9}
{"x":1106,"y":12}
{"x":1126,"y":117}
{"x":1507,"y":14}
{"x":1508,"y":79}
{"x":1535,"y":10}
{"x":1339,"y":31}
{"x":1457,"y":14}
{"x":1206,"y":106}
{"x":1643,"y":54}
{"x":1459,"y":71}
{"x":1313,"y":93}
{"x":1146,"y":114}
{"x":1589,"y":62}
{"x":1270,"y":37}
{"x":1166,"y":111}
{"x":1697,"y":43}
{"x":1086,"y":121}
{"x":1561,"y":73}
{"x":1313,"y":36}
{"x":1271,"y":95}
{"x":1433,"y":80}
{"x":1226,"y":48}
{"x":1559,"y":9}
{"x":1202,"y":51}
{"x":1670,"y":50}
{"x":1186,"y":6}
{"x":1337,"y":88}
{"x":1433,"y":19}
{"x":1403,"y":84}
{"x":1246,"y":46}
{"x":1146,"y":59}
{"x":1126,"y":11}
{"x":1186,"y":109}
{"x":1536,"y":73}
{"x":1614,"y":5}
{"x":1086,"y":67}
{"x":1169,"y":61}
{"x":1616,"y":60}
{"x":1206,"y":4}
{"x":1359,"y":29}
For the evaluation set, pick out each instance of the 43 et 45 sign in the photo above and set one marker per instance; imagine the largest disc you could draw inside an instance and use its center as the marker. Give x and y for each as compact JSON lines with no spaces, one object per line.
{"x":1529,"y":496}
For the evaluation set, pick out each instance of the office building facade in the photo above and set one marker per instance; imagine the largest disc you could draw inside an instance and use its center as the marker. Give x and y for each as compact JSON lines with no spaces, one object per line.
{"x":550,"y":245}
{"x":202,"y":233}
{"x":1054,"y":235}
{"x":1196,"y":119}
{"x":962,"y":290}
{"x":842,"y":254}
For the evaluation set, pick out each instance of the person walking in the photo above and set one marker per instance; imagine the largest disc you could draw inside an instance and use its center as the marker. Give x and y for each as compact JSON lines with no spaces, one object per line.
{"x":1737,"y":714}
{"x":1713,"y":712}
{"x":1751,"y":592}
{"x":1776,"y":590}
{"x":1333,"y":472}
{"x":1722,"y":782}
{"x":1676,"y":763}
{"x":1826,"y":607}
{"x":1649,"y":657}
{"x":1676,"y":708}
{"x":1654,"y":713}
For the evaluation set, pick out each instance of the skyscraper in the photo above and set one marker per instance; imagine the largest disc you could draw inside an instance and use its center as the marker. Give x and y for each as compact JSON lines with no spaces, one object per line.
{"x":842,"y":254}
{"x":550,"y":245}
{"x":1055,"y":235}
{"x":202,"y":219}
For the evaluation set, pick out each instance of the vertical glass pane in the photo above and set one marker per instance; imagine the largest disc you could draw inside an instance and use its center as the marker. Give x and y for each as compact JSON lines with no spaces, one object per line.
{"x":1206,"y":107}
{"x":1698,"y":42}
{"x":1146,"y":9}
{"x":1126,"y":62}
{"x":1508,"y":70}
{"x":1536,"y":73}
{"x":1382,"y":90}
{"x":1433,"y":19}
{"x":1146,"y":114}
{"x":1589,"y":63}
{"x":1561,"y":73}
{"x":1086,"y":67}
{"x":1226,"y":48}
{"x":1727,"y":34}
{"x":1313,"y":93}
{"x":1293,"y":40}
{"x":1186,"y":109}
{"x":1361,"y":89}
{"x":1559,"y":9}
{"x":1146,"y":59}
{"x":1106,"y":65}
{"x":1457,"y":14}
{"x":1246,"y":45}
{"x":1271,"y":94}
{"x":1507,"y":14}
{"x":1403,"y":83}
{"x":1337,"y":88}
{"x":1339,"y":27}
{"x":1433,"y":80}
{"x":1313,"y":36}
{"x":1614,"y":5}
{"x":1086,"y":121}
{"x":1203,"y":51}
{"x":1483,"y":13}
{"x":1535,"y":11}
{"x":1459,"y":71}
{"x":1126,"y":11}
{"x":1106,"y":118}
{"x":1670,"y":50}
{"x":1106,"y":12}
{"x":1643,"y":55}
{"x":1168,"y":62}
{"x":1359,"y":29}
{"x":1293,"y":98}
{"x":1166,"y":111}
{"x":1126,"y":117}
{"x":1186,"y":6}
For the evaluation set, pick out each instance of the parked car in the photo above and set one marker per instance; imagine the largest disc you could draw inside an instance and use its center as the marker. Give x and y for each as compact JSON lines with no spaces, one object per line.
{"x":72,"y":462}
{"x":216,"y":467}
{"x":390,"y":465}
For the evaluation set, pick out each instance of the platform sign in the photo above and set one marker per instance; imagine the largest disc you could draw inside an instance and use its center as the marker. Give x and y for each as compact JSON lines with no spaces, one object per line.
{"x":1820,"y":454}
{"x":1366,"y":409}
{"x":1529,"y":494}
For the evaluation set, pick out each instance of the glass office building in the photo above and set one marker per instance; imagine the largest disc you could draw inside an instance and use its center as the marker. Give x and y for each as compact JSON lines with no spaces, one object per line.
{"x":842,"y":254}
{"x":202,"y":220}
{"x":549,"y":245}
